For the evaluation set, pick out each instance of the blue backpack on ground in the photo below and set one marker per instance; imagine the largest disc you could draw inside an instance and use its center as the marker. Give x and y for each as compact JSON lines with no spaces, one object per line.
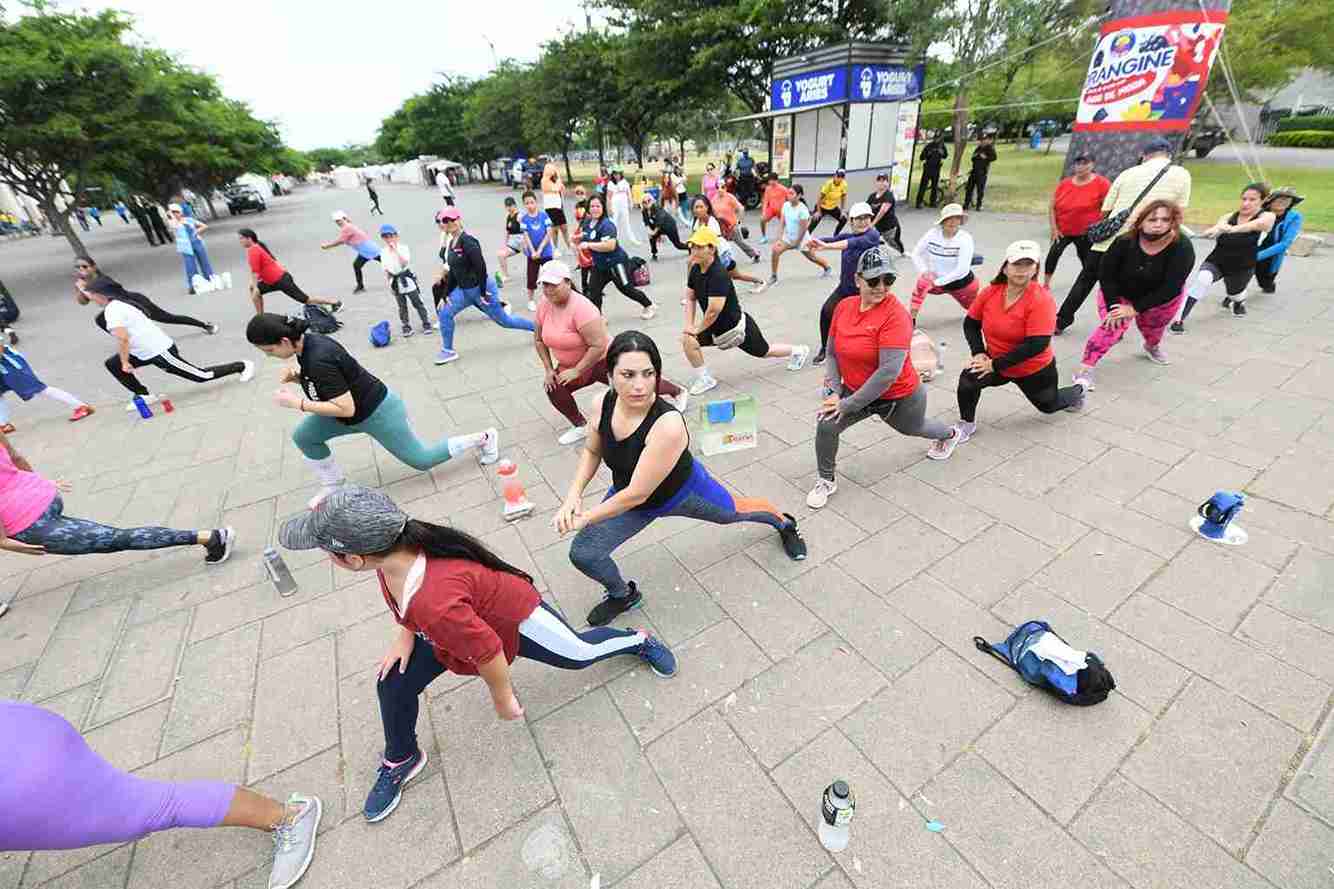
{"x":1027,"y":653}
{"x":380,"y":335}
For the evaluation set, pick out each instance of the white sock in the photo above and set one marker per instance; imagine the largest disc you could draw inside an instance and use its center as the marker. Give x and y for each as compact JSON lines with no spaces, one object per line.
{"x":62,"y":395}
{"x":327,"y":471}
{"x":461,"y":444}
{"x":4,"y":412}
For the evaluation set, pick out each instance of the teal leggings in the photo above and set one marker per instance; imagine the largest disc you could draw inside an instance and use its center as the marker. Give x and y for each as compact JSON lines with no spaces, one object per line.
{"x":388,"y":425}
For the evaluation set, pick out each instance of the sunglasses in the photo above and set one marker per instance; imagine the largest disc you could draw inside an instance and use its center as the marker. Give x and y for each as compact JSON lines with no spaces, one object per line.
{"x":878,"y":282}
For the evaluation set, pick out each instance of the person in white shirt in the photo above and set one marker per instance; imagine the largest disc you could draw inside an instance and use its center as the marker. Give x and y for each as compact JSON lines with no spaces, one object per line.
{"x":618,"y":202}
{"x":395,"y":259}
{"x":446,"y":187}
{"x":944,"y":260}
{"x":796,"y":228}
{"x":141,"y":342}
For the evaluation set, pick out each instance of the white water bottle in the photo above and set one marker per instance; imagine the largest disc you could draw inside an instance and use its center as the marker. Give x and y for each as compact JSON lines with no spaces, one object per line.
{"x":227,"y":280}
{"x":836,"y":810}
{"x":215,"y":282}
{"x":279,"y":573}
{"x":199,"y":283}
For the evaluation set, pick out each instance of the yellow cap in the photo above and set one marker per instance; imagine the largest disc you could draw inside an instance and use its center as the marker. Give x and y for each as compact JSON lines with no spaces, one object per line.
{"x":704,"y":237}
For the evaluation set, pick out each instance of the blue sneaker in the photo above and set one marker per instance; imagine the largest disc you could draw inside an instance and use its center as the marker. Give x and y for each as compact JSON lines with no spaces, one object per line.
{"x":446,"y":355}
{"x":658,"y":657}
{"x":389,"y":783}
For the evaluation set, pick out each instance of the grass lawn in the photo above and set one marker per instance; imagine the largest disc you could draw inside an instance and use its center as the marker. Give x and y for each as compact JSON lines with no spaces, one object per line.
{"x":1022,"y":181}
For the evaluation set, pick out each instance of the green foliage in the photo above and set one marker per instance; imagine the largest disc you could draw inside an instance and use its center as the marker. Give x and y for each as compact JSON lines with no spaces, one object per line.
{"x":428,"y":123}
{"x":557,"y":110}
{"x":493,"y":113}
{"x":1266,"y":43}
{"x":1309,"y":122}
{"x":1304,"y":139}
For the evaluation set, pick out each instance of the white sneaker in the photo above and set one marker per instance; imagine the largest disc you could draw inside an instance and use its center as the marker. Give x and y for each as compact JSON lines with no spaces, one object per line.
{"x":248,"y":371}
{"x":759,"y":288}
{"x":489,"y":447}
{"x":573,"y":434}
{"x":148,"y":399}
{"x":819,"y":494}
{"x":702,"y":384}
{"x":649,"y":311}
{"x":294,"y":841}
{"x":532,"y":305}
{"x":799,"y":356}
{"x":1085,"y":379}
{"x":942,"y":448}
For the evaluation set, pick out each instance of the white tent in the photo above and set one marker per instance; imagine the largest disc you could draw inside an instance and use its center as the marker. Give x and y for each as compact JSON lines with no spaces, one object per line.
{"x":260,"y":183}
{"x":346,"y":177}
{"x":409,"y":172}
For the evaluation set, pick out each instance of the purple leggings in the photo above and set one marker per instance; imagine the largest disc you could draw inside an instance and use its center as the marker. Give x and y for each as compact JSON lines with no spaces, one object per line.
{"x":1151,"y":323}
{"x":56,"y":793}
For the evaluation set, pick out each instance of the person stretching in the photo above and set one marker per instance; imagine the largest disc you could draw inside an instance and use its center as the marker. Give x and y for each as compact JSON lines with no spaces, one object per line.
{"x":396,"y":261}
{"x":375,"y":198}
{"x":514,"y":239}
{"x":459,"y":608}
{"x":17,"y":376}
{"x":465,"y":279}
{"x":702,"y":215}
{"x":598,"y":235}
{"x":722,"y":324}
{"x":59,"y":794}
{"x":267,"y":275}
{"x":1075,"y":205}
{"x":796,"y":227}
{"x":853,"y":244}
{"x":86,"y":271}
{"x":1282,"y":202}
{"x":33,"y":522}
{"x":571,"y":343}
{"x":644,"y":442}
{"x":776,"y":196}
{"x":868,"y":372}
{"x":944,"y":260}
{"x":538,"y":242}
{"x":886,"y":219}
{"x":660,"y":224}
{"x":141,"y":342}
{"x":1233,"y":258}
{"x":1009,"y":328}
{"x":360,"y":243}
{"x":1142,"y":277}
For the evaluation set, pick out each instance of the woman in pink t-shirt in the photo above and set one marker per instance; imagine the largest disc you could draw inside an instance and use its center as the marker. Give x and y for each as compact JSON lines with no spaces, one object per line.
{"x":571,"y":341}
{"x":32,"y":521}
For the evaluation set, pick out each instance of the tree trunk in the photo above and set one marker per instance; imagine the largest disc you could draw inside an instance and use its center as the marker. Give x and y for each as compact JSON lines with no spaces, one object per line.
{"x":565,"y":155}
{"x":208,"y":199}
{"x":960,"y":125}
{"x":63,"y":223}
{"x":683,"y":151}
{"x":602,"y":159}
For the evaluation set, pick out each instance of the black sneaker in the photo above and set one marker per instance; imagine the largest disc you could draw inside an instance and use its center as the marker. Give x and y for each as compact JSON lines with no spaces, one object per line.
{"x":1239,"y":309}
{"x":1264,"y":289}
{"x":219,"y":546}
{"x":337,"y":307}
{"x":1177,"y":327}
{"x":611,"y":607}
{"x":360,"y":288}
{"x":407,"y":331}
{"x":1227,"y":302}
{"x":819,"y":358}
{"x":793,"y":545}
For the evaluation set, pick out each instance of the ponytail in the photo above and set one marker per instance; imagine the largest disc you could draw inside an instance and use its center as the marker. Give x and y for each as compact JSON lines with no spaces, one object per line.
{"x":268,"y":329}
{"x":250,"y":233}
{"x":441,"y":542}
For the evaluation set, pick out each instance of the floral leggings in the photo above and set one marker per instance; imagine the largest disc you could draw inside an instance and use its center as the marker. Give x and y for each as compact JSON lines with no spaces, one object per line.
{"x":1151,"y":323}
{"x":64,"y":535}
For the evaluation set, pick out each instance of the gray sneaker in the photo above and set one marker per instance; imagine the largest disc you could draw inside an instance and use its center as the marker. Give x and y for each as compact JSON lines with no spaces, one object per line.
{"x":294,"y":841}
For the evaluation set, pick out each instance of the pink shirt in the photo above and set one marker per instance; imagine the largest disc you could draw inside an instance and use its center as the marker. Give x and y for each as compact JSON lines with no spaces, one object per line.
{"x":24,"y":496}
{"x":560,"y":328}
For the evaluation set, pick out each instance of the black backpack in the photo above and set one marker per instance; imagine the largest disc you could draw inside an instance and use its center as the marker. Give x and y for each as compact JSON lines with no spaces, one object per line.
{"x":9,"y":309}
{"x":321,"y":320}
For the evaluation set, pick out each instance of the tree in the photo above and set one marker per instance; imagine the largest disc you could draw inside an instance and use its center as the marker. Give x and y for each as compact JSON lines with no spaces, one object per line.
{"x":493,"y":114}
{"x":642,"y":85}
{"x":428,"y":123}
{"x":566,"y":79}
{"x":1265,"y":44}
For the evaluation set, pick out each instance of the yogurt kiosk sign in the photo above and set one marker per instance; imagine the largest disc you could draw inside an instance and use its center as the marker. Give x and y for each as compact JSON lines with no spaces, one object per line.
{"x":812,"y":88}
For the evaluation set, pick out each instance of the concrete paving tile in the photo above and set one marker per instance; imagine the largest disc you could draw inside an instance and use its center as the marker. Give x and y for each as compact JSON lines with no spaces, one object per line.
{"x":12,"y":865}
{"x":536,"y":852}
{"x":1289,"y":524}
{"x":1063,"y":436}
{"x":996,"y":561}
{"x":1302,"y":590}
{"x":321,"y":616}
{"x":1268,"y":549}
{"x":827,"y":533}
{"x":13,"y":681}
{"x":215,"y":689}
{"x":73,"y":705}
{"x":1098,"y":572}
{"x":868,"y":565}
{"x":679,"y":866}
{"x":320,"y":776}
{"x":859,"y":505}
{"x":782,"y":708}
{"x":938,"y":509}
{"x":1151,"y":848}
{"x":1249,"y":672}
{"x":1216,"y":761}
{"x":109,"y":870}
{"x":257,"y":602}
{"x":130,"y":742}
{"x":46,"y":866}
{"x":1155,"y":448}
{"x":493,"y":769}
{"x":1297,"y":482}
{"x":1199,"y":475}
{"x":296,"y":710}
{"x":888,"y":846}
{"x":1294,"y":850}
{"x":704,"y":544}
{"x":914,"y":728}
{"x":606,"y":786}
{"x":1036,"y":471}
{"x":143,"y":669}
{"x":1162,"y":539}
{"x":953,"y":619}
{"x":674,"y":599}
{"x":1025,"y":514}
{"x":706,"y":769}
{"x":1306,"y":647}
{"x":709,"y":667}
{"x":1313,"y":786}
{"x":766,"y":611}
{"x":78,"y":650}
{"x":29,"y":625}
{"x":869,"y":465}
{"x":1117,"y":475}
{"x":177,"y":595}
{"x":963,"y":468}
{"x":362,"y":645}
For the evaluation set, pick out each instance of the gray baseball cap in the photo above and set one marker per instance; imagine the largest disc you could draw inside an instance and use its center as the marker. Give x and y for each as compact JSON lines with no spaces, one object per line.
{"x":353,"y":520}
{"x":876,"y":262}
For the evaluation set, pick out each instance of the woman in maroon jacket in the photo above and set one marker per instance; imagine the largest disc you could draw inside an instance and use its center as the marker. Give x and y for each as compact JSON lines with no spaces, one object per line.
{"x":458,"y":607}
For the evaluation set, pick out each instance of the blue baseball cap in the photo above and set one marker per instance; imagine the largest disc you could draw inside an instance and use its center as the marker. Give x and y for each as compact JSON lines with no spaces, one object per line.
{"x":1158,"y":145}
{"x":387,"y":229}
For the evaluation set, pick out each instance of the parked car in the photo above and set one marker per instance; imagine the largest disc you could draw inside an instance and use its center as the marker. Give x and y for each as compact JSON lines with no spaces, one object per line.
{"x":242,"y":198}
{"x":1202,"y":138}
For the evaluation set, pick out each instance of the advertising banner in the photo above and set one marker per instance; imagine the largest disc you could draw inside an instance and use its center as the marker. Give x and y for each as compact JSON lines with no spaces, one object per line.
{"x":811,"y":88}
{"x":887,"y":83}
{"x":904,"y":140}
{"x":781,"y":162}
{"x":1148,"y":72}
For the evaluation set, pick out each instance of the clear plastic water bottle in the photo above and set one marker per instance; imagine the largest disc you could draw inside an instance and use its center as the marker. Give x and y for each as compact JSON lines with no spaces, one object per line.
{"x":279,"y":573}
{"x":836,"y":811}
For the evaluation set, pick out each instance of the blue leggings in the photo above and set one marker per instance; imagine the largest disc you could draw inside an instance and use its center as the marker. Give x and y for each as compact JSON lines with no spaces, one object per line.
{"x":198,"y":262}
{"x":701,"y":497}
{"x":59,"y":794}
{"x":64,"y":535}
{"x":460,"y":299}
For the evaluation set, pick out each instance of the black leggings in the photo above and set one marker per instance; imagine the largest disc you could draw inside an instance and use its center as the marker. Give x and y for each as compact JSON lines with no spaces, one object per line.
{"x":620,"y":276}
{"x":171,"y":362}
{"x":156,"y":313}
{"x":1082,"y":248}
{"x":820,"y":213}
{"x":1079,"y":291}
{"x":1041,"y":388}
{"x":357,"y":264}
{"x":671,"y":235}
{"x":827,"y":314}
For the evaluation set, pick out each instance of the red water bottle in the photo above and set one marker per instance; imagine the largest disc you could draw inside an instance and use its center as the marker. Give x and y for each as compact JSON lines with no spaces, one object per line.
{"x":167,"y":406}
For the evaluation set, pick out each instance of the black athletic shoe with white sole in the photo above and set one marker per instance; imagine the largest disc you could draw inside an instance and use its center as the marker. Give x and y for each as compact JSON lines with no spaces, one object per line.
{"x":219,"y":545}
{"x":793,"y":544}
{"x":612,"y":607}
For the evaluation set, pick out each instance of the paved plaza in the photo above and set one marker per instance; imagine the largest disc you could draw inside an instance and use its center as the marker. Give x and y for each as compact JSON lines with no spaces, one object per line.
{"x":1211,"y":765}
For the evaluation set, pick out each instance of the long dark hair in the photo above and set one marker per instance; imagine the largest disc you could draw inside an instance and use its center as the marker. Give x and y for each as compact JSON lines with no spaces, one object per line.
{"x":250,"y":233}
{"x":634,"y":341}
{"x":442,"y":542}
{"x":268,"y":329}
{"x":699,"y":198}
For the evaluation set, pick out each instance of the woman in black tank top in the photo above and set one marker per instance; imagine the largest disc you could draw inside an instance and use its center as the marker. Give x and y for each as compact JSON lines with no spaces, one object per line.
{"x":644,"y":442}
{"x":1232,"y":260}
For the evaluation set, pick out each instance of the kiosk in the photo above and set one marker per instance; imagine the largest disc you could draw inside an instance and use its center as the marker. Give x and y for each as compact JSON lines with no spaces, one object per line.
{"x":852,"y":106}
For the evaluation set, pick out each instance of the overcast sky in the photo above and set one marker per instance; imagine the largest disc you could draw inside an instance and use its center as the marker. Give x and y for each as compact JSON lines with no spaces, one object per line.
{"x":328,"y":73}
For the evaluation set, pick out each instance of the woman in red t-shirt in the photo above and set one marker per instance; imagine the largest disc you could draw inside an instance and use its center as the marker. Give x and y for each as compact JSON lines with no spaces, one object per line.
{"x":867,"y":370}
{"x":1009,"y":328}
{"x":1075,"y":205}
{"x":458,"y":606}
{"x":266,"y":275}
